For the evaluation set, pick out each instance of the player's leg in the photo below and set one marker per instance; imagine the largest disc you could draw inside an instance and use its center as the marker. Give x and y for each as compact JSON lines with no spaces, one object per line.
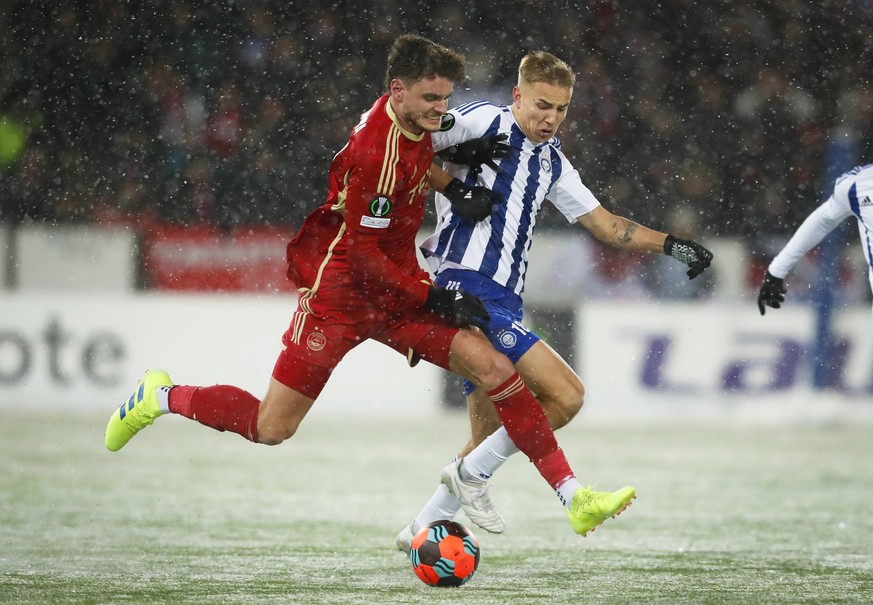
{"x":528,"y":427}
{"x":560,"y":392}
{"x":557,"y":387}
{"x":472,"y":356}
{"x":228,"y":408}
{"x":301,"y":371}
{"x":221,"y":407}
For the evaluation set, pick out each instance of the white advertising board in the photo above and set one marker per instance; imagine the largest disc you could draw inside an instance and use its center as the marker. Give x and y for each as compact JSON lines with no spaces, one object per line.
{"x":639,"y":361}
{"x":87,"y":352}
{"x":673,"y":361}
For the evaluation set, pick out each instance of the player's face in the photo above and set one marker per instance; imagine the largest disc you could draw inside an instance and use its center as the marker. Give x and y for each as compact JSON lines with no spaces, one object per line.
{"x":539,"y":109}
{"x":421,"y":106}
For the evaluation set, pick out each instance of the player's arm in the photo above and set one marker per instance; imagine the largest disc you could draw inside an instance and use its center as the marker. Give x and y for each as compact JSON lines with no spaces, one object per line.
{"x":811,"y":232}
{"x":364,"y":234}
{"x":625,"y":234}
{"x":622,"y":233}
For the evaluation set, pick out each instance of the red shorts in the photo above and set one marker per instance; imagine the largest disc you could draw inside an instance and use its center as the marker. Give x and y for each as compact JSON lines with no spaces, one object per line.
{"x":316,"y":342}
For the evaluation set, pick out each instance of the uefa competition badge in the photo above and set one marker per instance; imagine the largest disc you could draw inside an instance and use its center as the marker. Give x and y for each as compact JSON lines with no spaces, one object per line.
{"x":447,"y":122}
{"x":380,"y":207}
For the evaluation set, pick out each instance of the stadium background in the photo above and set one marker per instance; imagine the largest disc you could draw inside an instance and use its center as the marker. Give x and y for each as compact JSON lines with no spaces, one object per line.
{"x":153,"y":148}
{"x":148,"y":148}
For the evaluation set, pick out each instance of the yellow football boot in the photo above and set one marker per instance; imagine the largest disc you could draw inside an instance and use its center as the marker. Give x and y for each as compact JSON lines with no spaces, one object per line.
{"x":589,"y":509}
{"x":137,"y":412}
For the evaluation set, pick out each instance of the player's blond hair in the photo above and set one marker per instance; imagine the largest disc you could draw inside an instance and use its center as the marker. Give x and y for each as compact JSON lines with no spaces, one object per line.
{"x":540,"y":66}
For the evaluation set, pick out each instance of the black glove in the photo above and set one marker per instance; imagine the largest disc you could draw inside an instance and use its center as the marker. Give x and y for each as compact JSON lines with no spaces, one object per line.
{"x":771,"y":293}
{"x":472,"y":203}
{"x":460,"y":308}
{"x":691,"y":253}
{"x":475,"y":152}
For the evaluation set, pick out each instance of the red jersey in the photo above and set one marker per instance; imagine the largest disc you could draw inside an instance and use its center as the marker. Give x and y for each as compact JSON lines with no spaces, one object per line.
{"x":359,"y":247}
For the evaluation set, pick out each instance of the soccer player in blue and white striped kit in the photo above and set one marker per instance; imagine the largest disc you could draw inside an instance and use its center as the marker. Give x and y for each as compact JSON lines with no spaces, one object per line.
{"x":852,"y":196}
{"x":513,"y":151}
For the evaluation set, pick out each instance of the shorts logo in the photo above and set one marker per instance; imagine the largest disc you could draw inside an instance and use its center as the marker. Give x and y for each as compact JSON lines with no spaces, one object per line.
{"x":447,"y":122}
{"x":380,"y":206}
{"x":507,"y":339}
{"x":316,"y":341}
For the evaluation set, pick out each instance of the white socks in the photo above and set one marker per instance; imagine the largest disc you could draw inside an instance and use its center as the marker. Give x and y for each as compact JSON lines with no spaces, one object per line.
{"x":566,"y":490}
{"x":488,"y":456}
{"x":442,"y":505}
{"x":163,"y":394}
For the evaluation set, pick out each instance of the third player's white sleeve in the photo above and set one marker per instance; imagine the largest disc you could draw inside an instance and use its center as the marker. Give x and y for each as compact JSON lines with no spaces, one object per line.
{"x":817,"y":225}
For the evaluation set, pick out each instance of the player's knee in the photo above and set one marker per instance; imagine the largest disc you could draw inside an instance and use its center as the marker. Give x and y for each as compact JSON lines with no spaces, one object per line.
{"x":563,"y":405}
{"x":572,"y":399}
{"x":275,"y":434}
{"x":494,"y":370}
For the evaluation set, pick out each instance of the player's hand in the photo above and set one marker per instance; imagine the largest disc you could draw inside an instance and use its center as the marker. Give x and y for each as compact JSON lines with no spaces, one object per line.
{"x":475,"y":152}
{"x":689,"y":252}
{"x":460,"y":308}
{"x":472,"y":203}
{"x":771,"y":293}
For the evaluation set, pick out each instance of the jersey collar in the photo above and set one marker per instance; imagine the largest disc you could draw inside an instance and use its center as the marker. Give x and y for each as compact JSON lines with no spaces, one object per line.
{"x":406,"y":133}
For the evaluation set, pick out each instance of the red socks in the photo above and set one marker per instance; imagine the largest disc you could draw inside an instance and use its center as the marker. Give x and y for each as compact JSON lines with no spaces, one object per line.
{"x":527,"y":425}
{"x":228,"y":408}
{"x":222,"y":407}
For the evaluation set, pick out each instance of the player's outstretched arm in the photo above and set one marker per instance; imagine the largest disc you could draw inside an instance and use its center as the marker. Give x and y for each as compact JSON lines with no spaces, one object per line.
{"x":627,"y":235}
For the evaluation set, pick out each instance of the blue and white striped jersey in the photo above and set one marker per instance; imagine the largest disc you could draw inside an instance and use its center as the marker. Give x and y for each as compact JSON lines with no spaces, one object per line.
{"x":852,"y":196}
{"x":498,"y":247}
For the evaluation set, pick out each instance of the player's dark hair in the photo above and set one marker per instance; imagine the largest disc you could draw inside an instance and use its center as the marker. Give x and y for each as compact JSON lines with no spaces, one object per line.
{"x":413,"y":58}
{"x":540,"y":66}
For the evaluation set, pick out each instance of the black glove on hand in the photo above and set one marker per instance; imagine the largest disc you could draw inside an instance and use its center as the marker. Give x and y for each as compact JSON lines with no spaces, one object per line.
{"x":475,"y":152}
{"x":460,"y":308}
{"x":691,"y":253}
{"x":771,"y":293}
{"x":472,"y":203}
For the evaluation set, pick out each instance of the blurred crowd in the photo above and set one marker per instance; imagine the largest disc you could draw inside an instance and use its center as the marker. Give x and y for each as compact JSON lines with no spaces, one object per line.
{"x":714,"y":117}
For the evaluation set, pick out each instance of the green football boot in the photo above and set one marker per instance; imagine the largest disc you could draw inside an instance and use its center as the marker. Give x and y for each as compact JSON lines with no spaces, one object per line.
{"x":137,"y":412}
{"x":589,"y":509}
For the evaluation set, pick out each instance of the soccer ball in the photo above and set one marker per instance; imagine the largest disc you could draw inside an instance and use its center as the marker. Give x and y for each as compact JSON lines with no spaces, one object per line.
{"x":444,"y":553}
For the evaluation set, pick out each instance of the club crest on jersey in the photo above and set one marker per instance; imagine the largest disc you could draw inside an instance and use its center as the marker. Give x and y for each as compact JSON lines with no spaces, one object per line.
{"x":447,"y":122}
{"x":316,"y":341}
{"x":380,"y":207}
{"x":507,"y":339}
{"x":546,"y":165}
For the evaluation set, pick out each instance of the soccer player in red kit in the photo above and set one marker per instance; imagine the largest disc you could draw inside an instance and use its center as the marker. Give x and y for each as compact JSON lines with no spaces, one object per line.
{"x":354,"y":262}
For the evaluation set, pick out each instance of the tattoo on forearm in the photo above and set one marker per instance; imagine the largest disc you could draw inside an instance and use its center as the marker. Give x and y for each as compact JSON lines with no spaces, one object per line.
{"x":629,"y":229}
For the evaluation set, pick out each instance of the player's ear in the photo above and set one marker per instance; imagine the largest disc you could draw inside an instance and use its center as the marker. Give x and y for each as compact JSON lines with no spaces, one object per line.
{"x":516,"y":96}
{"x":396,"y":88}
